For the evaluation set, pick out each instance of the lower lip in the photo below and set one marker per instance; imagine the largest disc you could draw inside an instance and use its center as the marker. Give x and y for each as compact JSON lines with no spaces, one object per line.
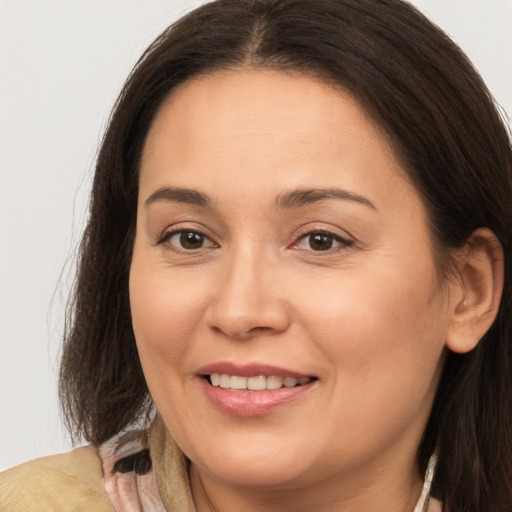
{"x":252,"y":403}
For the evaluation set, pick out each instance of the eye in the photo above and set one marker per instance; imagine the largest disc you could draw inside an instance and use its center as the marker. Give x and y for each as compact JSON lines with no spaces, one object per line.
{"x":187,"y":240}
{"x":321,"y":241}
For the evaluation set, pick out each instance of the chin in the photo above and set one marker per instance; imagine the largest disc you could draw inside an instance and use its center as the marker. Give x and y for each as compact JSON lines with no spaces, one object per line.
{"x":266,"y":467}
{"x":268,"y":474}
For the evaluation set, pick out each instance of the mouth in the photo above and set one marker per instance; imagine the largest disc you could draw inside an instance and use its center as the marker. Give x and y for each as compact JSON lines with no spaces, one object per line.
{"x":255,"y":382}
{"x":253,"y":389}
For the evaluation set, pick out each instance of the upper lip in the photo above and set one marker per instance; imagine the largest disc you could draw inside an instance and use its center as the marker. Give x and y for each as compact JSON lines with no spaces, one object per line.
{"x":249,"y":370}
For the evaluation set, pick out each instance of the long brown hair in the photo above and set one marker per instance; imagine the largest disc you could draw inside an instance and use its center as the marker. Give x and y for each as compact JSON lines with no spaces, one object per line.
{"x":423,"y":92}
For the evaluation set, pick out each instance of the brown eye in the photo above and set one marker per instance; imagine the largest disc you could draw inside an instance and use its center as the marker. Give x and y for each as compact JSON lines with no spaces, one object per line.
{"x":191,"y":240}
{"x":187,"y":240}
{"x":321,"y":241}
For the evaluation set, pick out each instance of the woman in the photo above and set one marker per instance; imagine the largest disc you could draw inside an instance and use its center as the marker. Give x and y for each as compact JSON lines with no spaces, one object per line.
{"x":294,"y":288}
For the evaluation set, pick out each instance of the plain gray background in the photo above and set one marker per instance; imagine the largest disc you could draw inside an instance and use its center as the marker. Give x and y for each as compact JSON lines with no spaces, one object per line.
{"x":62,"y":63}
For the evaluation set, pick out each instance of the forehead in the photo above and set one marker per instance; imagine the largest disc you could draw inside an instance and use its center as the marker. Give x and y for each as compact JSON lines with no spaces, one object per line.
{"x":265,"y":129}
{"x":268,"y":98}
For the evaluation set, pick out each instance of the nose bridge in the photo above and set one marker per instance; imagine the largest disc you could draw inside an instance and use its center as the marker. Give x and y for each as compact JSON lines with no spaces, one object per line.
{"x":247,"y":300}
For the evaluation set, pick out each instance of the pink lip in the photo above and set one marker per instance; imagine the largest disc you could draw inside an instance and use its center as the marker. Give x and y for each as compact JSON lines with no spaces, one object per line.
{"x":251,"y":403}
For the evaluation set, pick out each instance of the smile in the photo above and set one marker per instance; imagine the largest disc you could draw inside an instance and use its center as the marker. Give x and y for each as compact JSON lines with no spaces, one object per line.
{"x":255,"y":383}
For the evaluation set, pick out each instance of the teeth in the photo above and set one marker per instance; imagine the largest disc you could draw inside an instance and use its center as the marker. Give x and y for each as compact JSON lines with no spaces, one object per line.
{"x":256,"y":383}
{"x":225,"y":381}
{"x":290,"y":382}
{"x":238,"y":382}
{"x":274,"y":382}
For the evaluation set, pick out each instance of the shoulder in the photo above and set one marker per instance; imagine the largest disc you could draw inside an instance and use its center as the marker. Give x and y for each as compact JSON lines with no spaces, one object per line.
{"x":71,"y":481}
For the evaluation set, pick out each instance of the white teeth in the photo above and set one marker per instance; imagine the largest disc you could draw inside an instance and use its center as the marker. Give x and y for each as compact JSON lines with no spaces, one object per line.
{"x":238,"y":382}
{"x":290,"y":382}
{"x":225,"y":381}
{"x":256,"y":383}
{"x":274,"y":382}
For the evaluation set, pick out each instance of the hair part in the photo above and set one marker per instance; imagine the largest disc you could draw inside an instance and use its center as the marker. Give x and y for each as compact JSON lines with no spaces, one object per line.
{"x":421,"y":90}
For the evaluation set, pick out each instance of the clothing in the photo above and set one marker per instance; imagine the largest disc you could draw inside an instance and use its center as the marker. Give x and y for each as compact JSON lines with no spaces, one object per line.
{"x":135,"y":471}
{"x":69,"y":482}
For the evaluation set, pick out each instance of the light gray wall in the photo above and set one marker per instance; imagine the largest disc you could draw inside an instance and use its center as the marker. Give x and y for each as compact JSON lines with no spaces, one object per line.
{"x":62,"y":63}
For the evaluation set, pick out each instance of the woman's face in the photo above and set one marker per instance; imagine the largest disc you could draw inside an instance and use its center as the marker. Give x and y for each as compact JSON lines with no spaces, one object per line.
{"x":279,"y":244}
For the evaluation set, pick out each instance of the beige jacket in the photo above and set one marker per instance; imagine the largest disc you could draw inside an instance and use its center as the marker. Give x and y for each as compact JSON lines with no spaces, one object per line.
{"x":69,"y":482}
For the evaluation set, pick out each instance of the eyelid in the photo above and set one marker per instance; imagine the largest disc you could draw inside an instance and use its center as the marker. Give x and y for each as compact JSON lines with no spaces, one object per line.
{"x":313,"y":227}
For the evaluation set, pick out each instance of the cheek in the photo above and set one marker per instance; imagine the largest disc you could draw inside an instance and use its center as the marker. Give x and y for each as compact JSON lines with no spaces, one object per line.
{"x":164,"y":311}
{"x":379,"y":330}
{"x":385,"y":360}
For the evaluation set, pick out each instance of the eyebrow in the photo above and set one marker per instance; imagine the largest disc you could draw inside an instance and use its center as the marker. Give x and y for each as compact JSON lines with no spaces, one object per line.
{"x":304,"y":197}
{"x":179,"y":195}
{"x":287,"y":200}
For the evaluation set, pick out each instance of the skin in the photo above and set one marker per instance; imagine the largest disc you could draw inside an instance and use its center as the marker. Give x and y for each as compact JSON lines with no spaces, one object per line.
{"x":368,"y":317}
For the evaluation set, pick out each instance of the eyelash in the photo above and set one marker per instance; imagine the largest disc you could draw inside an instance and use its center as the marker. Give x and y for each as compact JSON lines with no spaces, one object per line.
{"x":344,"y":243}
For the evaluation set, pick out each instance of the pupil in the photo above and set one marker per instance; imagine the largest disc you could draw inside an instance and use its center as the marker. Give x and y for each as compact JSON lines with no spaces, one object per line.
{"x":191,"y":240}
{"x":321,"y":242}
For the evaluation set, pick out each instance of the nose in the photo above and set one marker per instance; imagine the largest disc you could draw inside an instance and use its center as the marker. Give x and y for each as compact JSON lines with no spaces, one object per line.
{"x":249,"y":299}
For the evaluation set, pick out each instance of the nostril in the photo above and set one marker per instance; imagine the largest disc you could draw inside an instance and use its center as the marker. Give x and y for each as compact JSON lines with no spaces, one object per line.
{"x":239,"y":333}
{"x":260,"y":329}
